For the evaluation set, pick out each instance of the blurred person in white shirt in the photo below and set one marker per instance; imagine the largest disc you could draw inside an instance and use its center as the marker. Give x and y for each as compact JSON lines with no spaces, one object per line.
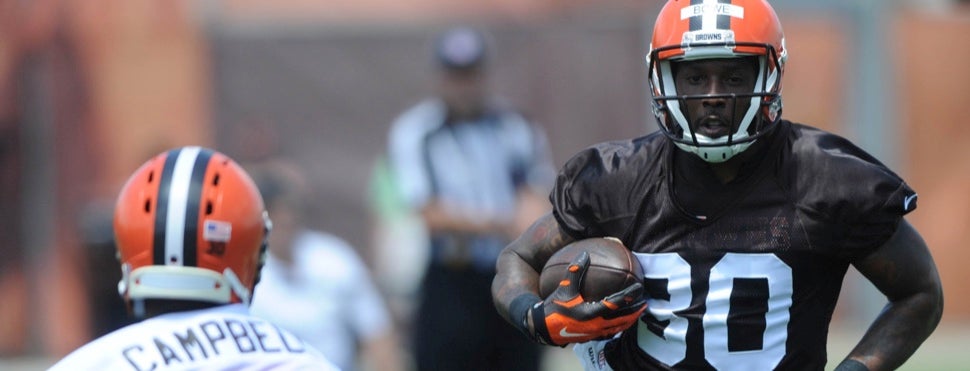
{"x":315,"y":284}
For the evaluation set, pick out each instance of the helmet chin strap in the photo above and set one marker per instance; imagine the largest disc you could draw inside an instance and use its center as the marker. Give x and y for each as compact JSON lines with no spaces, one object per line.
{"x":237,"y":286}
{"x":138,"y":308}
{"x":714,"y":155}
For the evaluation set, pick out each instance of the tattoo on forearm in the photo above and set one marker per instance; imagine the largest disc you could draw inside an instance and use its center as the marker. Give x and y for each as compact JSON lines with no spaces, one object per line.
{"x":548,"y":237}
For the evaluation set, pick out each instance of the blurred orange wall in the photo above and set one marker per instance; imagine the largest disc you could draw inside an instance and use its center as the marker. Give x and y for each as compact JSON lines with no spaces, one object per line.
{"x":144,"y":86}
{"x":147,"y":69}
{"x":933,"y":101}
{"x":814,"y":87}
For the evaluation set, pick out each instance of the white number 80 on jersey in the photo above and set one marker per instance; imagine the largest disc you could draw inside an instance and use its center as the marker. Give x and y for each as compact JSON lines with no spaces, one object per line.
{"x":764,"y":272}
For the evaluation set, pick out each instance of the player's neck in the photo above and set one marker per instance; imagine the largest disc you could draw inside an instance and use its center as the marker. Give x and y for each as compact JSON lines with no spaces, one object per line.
{"x":746,"y":161}
{"x":726,"y":171}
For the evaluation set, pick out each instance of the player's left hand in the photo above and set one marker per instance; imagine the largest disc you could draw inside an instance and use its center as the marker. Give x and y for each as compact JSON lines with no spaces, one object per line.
{"x":566,"y":317}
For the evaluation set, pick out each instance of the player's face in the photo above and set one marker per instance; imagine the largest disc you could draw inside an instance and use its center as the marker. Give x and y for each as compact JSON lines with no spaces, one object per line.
{"x":463,"y":91}
{"x":709,"y":115}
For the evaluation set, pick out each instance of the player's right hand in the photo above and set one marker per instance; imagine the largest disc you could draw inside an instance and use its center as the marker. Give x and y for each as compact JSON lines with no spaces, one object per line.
{"x":566,"y":317}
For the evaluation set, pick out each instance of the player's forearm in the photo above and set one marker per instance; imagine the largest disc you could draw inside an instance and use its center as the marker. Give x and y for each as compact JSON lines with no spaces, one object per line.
{"x":514,"y":278}
{"x":517,"y":269}
{"x":903,"y":270}
{"x":898,"y":331}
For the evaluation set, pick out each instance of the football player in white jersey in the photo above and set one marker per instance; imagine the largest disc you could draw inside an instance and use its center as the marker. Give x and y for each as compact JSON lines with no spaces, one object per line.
{"x":191,"y":228}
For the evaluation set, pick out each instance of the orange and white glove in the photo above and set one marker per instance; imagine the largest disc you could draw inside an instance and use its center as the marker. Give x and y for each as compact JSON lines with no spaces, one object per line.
{"x":565,"y":317}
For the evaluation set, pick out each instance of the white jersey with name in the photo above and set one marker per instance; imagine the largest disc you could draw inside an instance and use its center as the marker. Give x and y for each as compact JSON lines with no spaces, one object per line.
{"x":220,"y":338}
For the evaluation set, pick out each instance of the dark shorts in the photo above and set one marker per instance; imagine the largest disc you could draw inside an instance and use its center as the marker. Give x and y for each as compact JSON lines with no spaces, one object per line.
{"x":458,"y":327}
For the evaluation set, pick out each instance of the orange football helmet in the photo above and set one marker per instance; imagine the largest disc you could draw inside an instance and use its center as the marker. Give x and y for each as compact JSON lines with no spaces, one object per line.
{"x":190,"y":225}
{"x":708,"y":29}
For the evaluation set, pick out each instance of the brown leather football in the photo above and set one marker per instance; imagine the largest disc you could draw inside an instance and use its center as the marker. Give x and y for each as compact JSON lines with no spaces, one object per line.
{"x":612,"y":268}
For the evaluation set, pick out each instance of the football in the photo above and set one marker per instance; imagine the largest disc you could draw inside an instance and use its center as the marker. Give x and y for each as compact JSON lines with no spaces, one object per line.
{"x":612,"y":267}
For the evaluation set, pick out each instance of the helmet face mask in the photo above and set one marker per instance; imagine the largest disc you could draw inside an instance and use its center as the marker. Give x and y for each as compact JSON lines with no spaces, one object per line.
{"x":691,"y":33}
{"x":190,"y":225}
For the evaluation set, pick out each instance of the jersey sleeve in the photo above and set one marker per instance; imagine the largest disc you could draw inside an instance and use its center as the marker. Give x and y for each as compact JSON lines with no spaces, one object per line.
{"x":567,"y":196}
{"x":861,"y":199}
{"x":599,"y":189}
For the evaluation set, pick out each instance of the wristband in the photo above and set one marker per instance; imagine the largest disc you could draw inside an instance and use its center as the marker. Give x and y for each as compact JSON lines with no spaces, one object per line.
{"x":851,"y":365}
{"x":541,"y":334}
{"x":519,"y":311}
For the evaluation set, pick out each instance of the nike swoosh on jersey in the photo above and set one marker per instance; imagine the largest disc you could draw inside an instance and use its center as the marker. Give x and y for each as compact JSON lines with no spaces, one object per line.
{"x":567,"y":334}
{"x":907,"y":200}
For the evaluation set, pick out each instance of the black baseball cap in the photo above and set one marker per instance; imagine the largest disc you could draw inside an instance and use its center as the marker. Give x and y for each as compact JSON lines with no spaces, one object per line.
{"x":460,"y":48}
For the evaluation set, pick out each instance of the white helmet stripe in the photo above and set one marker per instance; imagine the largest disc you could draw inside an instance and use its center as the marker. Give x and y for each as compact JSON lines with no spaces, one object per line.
{"x":177,"y":203}
{"x":709,"y":19}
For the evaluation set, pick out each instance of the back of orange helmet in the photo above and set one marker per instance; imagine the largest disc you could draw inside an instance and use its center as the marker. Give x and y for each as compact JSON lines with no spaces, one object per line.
{"x":190,"y":225}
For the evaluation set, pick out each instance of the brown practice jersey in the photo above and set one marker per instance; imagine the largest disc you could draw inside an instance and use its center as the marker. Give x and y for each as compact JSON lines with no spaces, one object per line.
{"x":743,"y":275}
